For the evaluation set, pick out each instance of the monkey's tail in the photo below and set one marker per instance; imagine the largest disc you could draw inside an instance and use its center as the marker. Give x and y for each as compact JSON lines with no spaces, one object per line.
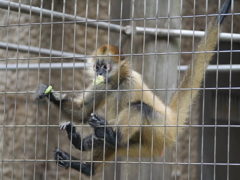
{"x":182,"y":99}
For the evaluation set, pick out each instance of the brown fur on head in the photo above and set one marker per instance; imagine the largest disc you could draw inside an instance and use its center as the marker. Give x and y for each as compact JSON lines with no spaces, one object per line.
{"x":107,"y":51}
{"x":111,"y":55}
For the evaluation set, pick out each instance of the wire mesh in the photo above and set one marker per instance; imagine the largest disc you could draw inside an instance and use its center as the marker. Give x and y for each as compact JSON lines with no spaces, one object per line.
{"x":49,"y":42}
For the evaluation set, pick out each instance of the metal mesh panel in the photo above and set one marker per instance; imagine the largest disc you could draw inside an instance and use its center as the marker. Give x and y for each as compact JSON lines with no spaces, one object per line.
{"x":49,"y":42}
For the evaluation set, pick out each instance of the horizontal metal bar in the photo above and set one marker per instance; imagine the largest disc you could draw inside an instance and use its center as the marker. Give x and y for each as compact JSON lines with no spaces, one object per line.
{"x":85,"y":125}
{"x":126,"y":162}
{"x":127,"y":90}
{"x":112,"y":27}
{"x":43,"y":66}
{"x":57,"y":15}
{"x":185,"y":33}
{"x":41,"y":51}
{"x":211,"y":68}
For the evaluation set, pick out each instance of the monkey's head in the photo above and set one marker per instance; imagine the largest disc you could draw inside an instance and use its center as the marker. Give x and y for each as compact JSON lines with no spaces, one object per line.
{"x":107,"y":61}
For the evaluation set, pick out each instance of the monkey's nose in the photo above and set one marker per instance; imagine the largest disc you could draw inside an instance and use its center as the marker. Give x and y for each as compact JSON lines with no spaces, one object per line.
{"x":100,"y":72}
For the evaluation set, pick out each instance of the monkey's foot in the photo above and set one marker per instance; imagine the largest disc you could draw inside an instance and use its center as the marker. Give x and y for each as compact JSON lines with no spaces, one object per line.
{"x":95,"y":121}
{"x":62,"y":158}
{"x":42,"y":91}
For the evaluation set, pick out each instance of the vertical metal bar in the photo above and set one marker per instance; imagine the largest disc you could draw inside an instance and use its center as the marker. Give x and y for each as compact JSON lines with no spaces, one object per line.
{"x":111,"y":14}
{"x":154,"y":88}
{"x":61,"y":72}
{"x":38,"y":80}
{"x":131,"y":56}
{"x":84,"y":75}
{"x":27,"y":85}
{"x":15,"y":96}
{"x":106,"y":102}
{"x":178,"y":85}
{"x":166,"y":88}
{"x":216,"y":103}
{"x":49,"y":82}
{"x":5,"y":94}
{"x":230,"y":94}
{"x":73,"y":68}
{"x":191,"y":104}
{"x":203,"y":106}
{"x":143,"y":58}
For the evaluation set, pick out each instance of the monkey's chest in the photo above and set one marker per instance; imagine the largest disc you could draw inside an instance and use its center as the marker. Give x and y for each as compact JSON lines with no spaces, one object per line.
{"x":115,"y":103}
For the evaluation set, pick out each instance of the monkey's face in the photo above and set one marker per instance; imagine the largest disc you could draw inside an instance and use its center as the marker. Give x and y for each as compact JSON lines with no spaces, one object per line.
{"x":102,"y":68}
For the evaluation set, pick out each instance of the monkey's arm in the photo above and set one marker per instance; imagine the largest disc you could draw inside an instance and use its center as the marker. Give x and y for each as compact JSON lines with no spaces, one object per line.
{"x":78,"y":108}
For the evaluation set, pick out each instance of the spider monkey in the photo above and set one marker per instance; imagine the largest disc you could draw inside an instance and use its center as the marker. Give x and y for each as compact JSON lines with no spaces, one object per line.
{"x":138,"y":123}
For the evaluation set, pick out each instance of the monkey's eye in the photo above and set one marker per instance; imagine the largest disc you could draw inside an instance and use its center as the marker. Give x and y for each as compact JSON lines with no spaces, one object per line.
{"x":105,"y":67}
{"x":97,"y":67}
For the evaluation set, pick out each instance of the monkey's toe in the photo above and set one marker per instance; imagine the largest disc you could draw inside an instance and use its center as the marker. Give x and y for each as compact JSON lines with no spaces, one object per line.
{"x":65,"y":125}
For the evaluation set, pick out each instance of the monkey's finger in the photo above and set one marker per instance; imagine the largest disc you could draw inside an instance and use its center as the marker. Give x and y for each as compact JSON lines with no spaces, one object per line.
{"x":62,"y":164}
{"x":93,"y":123}
{"x":63,"y":126}
{"x":95,"y":116}
{"x":40,"y":91}
{"x":95,"y":137}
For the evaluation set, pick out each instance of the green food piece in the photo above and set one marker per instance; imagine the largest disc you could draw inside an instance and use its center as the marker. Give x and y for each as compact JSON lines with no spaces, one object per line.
{"x":98,"y":80}
{"x":48,"y":90}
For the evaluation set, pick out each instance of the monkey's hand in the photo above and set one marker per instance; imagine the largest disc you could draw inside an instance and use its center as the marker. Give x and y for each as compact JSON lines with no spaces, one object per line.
{"x":68,"y":126}
{"x":42,"y":91}
{"x":62,"y":158}
{"x":100,"y":131}
{"x":95,"y":121}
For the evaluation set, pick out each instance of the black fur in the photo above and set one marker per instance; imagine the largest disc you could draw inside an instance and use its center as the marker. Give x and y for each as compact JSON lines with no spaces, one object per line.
{"x":64,"y":160}
{"x":40,"y":91}
{"x":223,"y":11}
{"x":82,"y":144}
{"x":102,"y":132}
{"x":144,"y":108}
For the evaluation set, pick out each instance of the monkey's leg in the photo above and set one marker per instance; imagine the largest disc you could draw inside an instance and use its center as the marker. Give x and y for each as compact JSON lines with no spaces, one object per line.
{"x":64,"y":160}
{"x":82,"y":144}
